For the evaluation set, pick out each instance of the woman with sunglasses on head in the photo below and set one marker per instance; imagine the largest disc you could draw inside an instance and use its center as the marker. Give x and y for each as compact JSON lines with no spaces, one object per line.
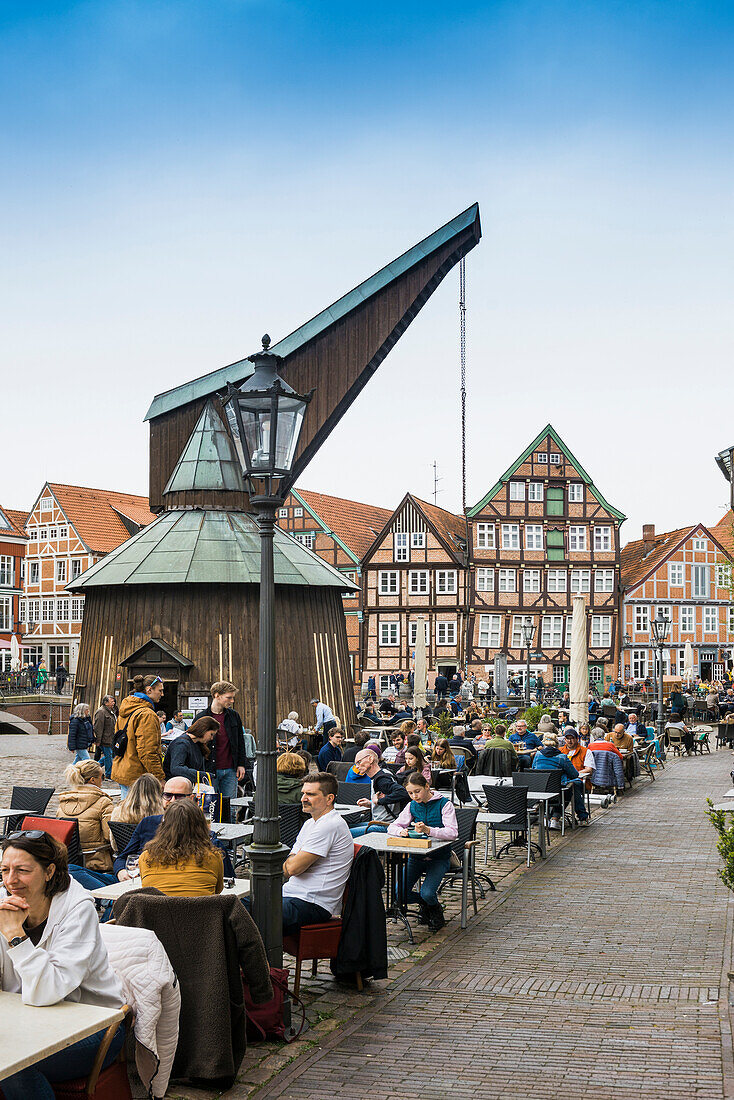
{"x":142,"y":728}
{"x":50,"y":951}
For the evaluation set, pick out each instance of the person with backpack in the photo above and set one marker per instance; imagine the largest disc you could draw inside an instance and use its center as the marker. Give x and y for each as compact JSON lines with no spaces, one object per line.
{"x":137,"y":741}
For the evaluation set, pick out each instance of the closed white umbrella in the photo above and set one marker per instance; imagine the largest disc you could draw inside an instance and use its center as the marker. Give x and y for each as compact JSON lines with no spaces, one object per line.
{"x":420,"y":668}
{"x":14,"y":654}
{"x":688,"y":663}
{"x":579,"y":682}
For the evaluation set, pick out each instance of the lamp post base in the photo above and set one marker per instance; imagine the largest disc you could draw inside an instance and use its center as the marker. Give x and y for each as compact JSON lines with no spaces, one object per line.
{"x":266,"y":896}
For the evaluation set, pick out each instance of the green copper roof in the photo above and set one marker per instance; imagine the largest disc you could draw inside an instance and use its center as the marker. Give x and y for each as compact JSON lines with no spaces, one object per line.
{"x":197,"y":546}
{"x":551,"y":431}
{"x":209,"y":460}
{"x":239,"y":371}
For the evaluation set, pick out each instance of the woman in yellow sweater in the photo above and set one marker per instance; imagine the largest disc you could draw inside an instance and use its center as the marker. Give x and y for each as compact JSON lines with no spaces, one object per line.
{"x":181,"y":860}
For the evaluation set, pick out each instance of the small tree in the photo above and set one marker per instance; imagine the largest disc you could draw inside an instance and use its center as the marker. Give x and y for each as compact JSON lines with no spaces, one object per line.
{"x":725,"y":843}
{"x":533,"y":715}
{"x":442,"y":726}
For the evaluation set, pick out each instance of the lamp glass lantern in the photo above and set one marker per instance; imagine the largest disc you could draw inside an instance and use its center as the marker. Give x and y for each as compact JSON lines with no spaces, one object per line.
{"x":528,"y":632}
{"x":659,"y":628}
{"x":265,"y":416}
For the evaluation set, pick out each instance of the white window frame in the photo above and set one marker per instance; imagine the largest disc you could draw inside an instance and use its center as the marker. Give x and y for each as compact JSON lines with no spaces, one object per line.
{"x":77,"y":568}
{"x":446,"y":582}
{"x":542,"y":457}
{"x":34,"y":572}
{"x":510,"y":536}
{"x":388,"y":583}
{"x":33,"y":534}
{"x":77,"y":608}
{"x":282,"y":513}
{"x":557,"y":580}
{"x":711,"y":619}
{"x":6,"y":613}
{"x":687,"y":619}
{"x":388,"y":631}
{"x":601,"y":630}
{"x":580,"y":581}
{"x":446,"y":632}
{"x":730,"y":618}
{"x":642,"y":618}
{"x":535,"y":491}
{"x":485,"y":536}
{"x":723,"y":575}
{"x":576,"y":539}
{"x":531,"y":580}
{"x":560,"y":674}
{"x":507,"y":580}
{"x":485,"y":579}
{"x":603,"y":580}
{"x":554,"y":459}
{"x":551,"y":632}
{"x":639,"y":664}
{"x":676,"y":574}
{"x":576,"y":492}
{"x":418,"y":582}
{"x":401,"y":546}
{"x":62,"y":610}
{"x":517,"y":491}
{"x":47,"y":611}
{"x":306,"y":538}
{"x":518,"y":621}
{"x":63,"y":532}
{"x":700,"y":544}
{"x":700,"y":572}
{"x":7,"y":570}
{"x":413,"y":632}
{"x":490,"y":631}
{"x":602,"y":538}
{"x":298,"y":512}
{"x":61,"y":570}
{"x":418,"y":540}
{"x":533,"y":536}
{"x":46,"y":504}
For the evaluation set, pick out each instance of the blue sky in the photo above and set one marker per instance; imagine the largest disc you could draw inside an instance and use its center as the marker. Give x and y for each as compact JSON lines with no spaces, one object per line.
{"x":178,"y":177}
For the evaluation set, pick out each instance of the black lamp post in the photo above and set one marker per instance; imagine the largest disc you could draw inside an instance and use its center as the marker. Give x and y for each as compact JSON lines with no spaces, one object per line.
{"x":659,"y":630}
{"x":528,"y":633}
{"x":266,"y":415}
{"x":627,"y":644}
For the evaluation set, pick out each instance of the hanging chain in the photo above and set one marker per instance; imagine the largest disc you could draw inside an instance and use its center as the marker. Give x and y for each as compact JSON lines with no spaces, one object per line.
{"x":462,"y":327}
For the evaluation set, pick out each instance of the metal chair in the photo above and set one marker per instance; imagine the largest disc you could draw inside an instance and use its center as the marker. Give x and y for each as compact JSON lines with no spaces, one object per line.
{"x":102,"y":1083}
{"x":646,"y":760}
{"x":31,"y":800}
{"x":463,"y":847}
{"x":511,"y":800}
{"x":291,"y":819}
{"x":701,"y":741}
{"x":121,"y":832}
{"x":350,"y":793}
{"x":339,"y":768}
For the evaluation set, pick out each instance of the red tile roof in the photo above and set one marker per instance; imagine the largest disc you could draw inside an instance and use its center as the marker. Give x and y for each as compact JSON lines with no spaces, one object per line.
{"x":724,"y":532}
{"x":636,"y":563}
{"x":357,"y":525}
{"x":449,"y":526}
{"x":17,"y":519}
{"x":96,"y":514}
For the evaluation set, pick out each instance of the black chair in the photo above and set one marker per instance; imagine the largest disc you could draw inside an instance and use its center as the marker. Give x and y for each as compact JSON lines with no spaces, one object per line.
{"x":122,"y":832}
{"x":339,"y":768}
{"x":463,"y":848}
{"x":291,"y":819}
{"x":350,"y":793}
{"x":552,"y":781}
{"x":511,"y":800}
{"x":31,"y":800}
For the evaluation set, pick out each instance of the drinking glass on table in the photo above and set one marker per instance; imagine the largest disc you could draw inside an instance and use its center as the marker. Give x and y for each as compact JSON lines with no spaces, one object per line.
{"x":132,"y":867}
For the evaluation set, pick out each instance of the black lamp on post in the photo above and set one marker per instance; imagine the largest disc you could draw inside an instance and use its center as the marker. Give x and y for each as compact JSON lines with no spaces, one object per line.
{"x":266,"y":416}
{"x":659,"y":631}
{"x":627,"y":644}
{"x":528,"y":633}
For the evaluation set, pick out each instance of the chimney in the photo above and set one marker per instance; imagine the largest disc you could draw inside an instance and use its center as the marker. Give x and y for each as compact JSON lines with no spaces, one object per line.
{"x":648,"y":537}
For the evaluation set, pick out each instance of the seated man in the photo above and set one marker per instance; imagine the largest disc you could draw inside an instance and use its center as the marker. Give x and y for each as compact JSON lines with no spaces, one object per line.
{"x":316,"y":872}
{"x":581,"y":758}
{"x":521,"y":735}
{"x":176,"y":788}
{"x":361,"y":738}
{"x":621,"y":739}
{"x":499,"y":740}
{"x":369,"y":715}
{"x":332,"y":750}
{"x":395,"y":754}
{"x":388,"y":706}
{"x":635,"y":727}
{"x":550,"y":758}
{"x":388,"y":797}
{"x":461,"y":743}
{"x":403,"y":714}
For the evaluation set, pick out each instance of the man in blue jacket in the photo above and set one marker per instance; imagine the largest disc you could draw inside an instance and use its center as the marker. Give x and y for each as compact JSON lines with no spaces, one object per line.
{"x":175,"y":788}
{"x":550,"y":758}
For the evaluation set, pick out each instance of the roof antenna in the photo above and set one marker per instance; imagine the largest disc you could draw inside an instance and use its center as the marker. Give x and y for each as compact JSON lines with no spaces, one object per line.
{"x":436,"y":480}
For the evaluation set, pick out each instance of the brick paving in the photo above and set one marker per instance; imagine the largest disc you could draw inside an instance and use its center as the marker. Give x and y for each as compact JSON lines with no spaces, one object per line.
{"x":601,"y":972}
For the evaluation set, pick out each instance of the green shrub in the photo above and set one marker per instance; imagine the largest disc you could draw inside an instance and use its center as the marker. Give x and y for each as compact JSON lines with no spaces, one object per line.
{"x":725,"y":843}
{"x":533,"y":714}
{"x":442,"y":726}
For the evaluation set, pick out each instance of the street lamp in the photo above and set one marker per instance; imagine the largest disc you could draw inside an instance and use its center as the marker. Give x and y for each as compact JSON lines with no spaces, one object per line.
{"x":528,"y":632}
{"x":266,"y":416}
{"x":627,"y":643}
{"x":659,"y":630}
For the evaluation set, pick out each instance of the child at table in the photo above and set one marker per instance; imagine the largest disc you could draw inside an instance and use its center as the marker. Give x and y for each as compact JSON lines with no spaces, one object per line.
{"x":429,"y":814}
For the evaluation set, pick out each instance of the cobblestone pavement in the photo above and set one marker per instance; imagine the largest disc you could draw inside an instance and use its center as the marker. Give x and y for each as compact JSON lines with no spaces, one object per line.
{"x":601,"y":972}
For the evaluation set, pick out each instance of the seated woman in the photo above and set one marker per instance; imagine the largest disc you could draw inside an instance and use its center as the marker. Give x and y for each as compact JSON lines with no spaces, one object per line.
{"x":181,"y":860}
{"x":92,"y":808}
{"x":290,"y":769}
{"x":427,"y":814}
{"x":415,"y":761}
{"x":144,"y":799}
{"x":50,"y":951}
{"x":550,"y":758}
{"x":442,"y":756}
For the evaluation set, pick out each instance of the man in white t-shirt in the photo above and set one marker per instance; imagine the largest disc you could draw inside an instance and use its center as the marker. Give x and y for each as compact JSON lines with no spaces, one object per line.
{"x":318,"y":867}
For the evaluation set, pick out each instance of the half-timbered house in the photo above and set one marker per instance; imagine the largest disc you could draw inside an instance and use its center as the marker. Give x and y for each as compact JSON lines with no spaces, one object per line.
{"x":416,"y":567}
{"x":340,"y":531}
{"x":541,"y":535}
{"x":686,"y":574}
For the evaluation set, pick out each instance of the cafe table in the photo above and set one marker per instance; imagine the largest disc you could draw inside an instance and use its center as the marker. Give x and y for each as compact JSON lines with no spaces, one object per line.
{"x":29,"y":1033}
{"x":542,"y":798}
{"x":109,"y":893}
{"x":396,"y":859}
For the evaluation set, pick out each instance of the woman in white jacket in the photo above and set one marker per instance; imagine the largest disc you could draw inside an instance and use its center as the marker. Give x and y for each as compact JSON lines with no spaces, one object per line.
{"x":51,"y":950}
